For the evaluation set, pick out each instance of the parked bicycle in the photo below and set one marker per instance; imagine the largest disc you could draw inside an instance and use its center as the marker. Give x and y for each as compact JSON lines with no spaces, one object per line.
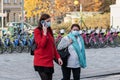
{"x":8,"y":47}
{"x":16,"y":43}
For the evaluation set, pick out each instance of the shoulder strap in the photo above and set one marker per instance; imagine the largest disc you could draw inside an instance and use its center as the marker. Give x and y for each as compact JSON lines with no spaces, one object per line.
{"x":68,"y":36}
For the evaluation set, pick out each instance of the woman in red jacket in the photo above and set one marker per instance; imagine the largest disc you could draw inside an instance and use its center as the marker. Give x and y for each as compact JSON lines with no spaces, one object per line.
{"x":46,"y":50}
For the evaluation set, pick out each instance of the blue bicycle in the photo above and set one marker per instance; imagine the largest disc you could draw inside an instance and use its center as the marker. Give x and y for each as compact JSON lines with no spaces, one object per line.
{"x":8,"y":47}
{"x":24,"y":42}
{"x":16,"y":44}
{"x":1,"y":46}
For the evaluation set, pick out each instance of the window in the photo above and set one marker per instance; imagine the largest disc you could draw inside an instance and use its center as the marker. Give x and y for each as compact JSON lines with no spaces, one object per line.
{"x":8,"y":14}
{"x":6,"y":1}
{"x":14,"y":15}
{"x":15,"y":1}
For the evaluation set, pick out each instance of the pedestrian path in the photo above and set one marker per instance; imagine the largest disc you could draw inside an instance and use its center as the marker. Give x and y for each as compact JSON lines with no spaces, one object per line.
{"x":106,"y":61}
{"x":102,"y":62}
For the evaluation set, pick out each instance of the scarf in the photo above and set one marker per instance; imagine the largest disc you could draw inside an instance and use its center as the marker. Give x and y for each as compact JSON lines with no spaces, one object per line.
{"x":79,"y":50}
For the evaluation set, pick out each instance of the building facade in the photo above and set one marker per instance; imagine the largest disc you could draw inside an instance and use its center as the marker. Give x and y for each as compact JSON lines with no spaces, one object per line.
{"x":115,"y":15}
{"x":13,"y":10}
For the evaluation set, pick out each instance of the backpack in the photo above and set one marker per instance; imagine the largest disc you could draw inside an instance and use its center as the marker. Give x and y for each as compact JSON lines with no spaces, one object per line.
{"x":33,"y":47}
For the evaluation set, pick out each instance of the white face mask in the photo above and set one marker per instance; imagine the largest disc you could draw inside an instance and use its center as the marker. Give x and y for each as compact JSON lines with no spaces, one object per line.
{"x":75,"y":33}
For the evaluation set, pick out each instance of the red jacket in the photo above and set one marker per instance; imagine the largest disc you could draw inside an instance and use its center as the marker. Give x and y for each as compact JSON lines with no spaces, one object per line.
{"x":46,"y":50}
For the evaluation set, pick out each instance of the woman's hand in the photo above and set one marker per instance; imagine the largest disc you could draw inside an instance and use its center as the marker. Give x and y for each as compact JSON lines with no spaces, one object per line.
{"x":60,"y":62}
{"x":44,"y":30}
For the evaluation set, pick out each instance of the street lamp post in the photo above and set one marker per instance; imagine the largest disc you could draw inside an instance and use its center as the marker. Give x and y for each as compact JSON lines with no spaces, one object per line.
{"x":2,"y":17}
{"x":22,"y":9}
{"x":52,"y":10}
{"x":76,"y":2}
{"x":81,"y":15}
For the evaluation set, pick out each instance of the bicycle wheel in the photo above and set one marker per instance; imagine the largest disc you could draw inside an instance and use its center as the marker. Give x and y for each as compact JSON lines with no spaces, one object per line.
{"x":10,"y":48}
{"x":1,"y":49}
{"x":29,"y":46}
{"x":117,"y":41}
{"x":111,"y":44}
{"x":91,"y":44}
{"x":19,"y":49}
{"x":26,"y":49}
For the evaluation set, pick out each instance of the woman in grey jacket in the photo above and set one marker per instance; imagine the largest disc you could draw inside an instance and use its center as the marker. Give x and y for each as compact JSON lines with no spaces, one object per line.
{"x":77,"y":58}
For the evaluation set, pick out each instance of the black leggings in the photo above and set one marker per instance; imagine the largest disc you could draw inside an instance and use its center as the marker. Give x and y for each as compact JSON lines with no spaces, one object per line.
{"x":45,"y":76}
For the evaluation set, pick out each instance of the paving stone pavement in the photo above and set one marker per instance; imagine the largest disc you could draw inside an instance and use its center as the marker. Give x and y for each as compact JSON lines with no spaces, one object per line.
{"x":19,"y":66}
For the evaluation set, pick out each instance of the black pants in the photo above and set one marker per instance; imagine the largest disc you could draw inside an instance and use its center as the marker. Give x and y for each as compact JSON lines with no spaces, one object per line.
{"x":67,"y":73}
{"x":45,"y":76}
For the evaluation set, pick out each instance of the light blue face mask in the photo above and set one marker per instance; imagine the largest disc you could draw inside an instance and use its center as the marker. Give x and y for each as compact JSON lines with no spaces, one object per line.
{"x":75,"y":33}
{"x":48,"y":24}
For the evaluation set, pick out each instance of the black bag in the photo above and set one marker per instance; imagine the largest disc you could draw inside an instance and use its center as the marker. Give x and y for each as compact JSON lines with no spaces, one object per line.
{"x":33,"y":47}
{"x":64,"y":54}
